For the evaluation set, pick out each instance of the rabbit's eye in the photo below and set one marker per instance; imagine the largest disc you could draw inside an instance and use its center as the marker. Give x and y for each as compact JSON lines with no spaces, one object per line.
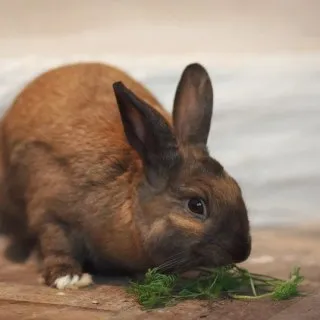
{"x":197,"y":206}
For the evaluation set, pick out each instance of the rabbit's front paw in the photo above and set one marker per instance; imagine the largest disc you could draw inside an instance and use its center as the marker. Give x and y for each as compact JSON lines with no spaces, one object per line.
{"x":66,"y":276}
{"x":73,"y":281}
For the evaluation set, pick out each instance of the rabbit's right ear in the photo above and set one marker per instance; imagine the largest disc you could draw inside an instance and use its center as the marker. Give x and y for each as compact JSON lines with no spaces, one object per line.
{"x":148,"y":133}
{"x":193,"y":104}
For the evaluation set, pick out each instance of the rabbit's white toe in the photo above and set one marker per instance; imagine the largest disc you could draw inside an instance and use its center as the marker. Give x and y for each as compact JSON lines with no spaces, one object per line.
{"x":73,"y":281}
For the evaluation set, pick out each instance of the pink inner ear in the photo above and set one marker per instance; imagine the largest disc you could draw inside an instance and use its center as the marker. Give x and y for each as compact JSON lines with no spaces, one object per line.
{"x":188,"y":113}
{"x":138,"y":123}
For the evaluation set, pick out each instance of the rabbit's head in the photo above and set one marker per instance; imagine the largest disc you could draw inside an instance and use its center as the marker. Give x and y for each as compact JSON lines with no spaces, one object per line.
{"x":189,"y":212}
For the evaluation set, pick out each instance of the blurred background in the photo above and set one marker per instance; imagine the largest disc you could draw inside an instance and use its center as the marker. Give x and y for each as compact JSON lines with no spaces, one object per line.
{"x":263,"y":57}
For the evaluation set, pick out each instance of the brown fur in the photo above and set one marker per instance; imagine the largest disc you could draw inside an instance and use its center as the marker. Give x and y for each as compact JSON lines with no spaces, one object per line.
{"x":75,"y":184}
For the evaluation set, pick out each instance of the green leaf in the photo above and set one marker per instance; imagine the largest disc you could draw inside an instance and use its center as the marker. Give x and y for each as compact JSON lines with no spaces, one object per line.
{"x":158,"y":290}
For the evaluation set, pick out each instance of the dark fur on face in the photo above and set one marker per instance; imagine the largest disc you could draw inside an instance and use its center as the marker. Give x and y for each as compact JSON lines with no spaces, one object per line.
{"x":178,"y":239}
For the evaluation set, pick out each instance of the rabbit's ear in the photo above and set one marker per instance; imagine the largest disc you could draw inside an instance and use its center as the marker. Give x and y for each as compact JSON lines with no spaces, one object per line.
{"x":147,"y":132}
{"x":193,"y":104}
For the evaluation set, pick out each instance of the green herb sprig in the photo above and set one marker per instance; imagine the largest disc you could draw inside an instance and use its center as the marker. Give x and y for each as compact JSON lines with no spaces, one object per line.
{"x":159,"y":290}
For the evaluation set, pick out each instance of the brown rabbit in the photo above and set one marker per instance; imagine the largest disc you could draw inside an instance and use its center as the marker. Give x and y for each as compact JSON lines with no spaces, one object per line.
{"x":96,"y":175}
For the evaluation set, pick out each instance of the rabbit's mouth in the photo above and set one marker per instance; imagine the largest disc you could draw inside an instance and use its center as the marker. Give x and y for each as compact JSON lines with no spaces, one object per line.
{"x":212,"y":255}
{"x":216,"y":255}
{"x":208,"y":256}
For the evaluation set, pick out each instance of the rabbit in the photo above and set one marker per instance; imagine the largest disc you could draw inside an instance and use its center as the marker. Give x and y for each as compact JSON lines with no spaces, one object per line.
{"x":96,"y":175}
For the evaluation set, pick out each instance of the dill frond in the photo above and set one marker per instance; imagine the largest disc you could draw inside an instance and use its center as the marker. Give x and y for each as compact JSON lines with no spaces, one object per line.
{"x":159,"y":290}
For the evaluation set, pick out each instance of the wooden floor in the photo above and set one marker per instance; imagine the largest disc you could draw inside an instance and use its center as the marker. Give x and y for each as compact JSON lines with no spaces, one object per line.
{"x":275,"y":252}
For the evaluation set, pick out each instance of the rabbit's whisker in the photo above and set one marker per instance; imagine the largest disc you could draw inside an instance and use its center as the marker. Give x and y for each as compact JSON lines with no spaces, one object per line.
{"x":173,"y":261}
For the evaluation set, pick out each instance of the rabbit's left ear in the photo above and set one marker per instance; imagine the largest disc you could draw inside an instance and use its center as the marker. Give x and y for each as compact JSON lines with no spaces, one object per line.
{"x":147,"y":132}
{"x":193,"y":105}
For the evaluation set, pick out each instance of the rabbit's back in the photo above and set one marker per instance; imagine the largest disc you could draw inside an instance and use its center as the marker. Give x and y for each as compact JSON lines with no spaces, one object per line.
{"x":73,"y":109}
